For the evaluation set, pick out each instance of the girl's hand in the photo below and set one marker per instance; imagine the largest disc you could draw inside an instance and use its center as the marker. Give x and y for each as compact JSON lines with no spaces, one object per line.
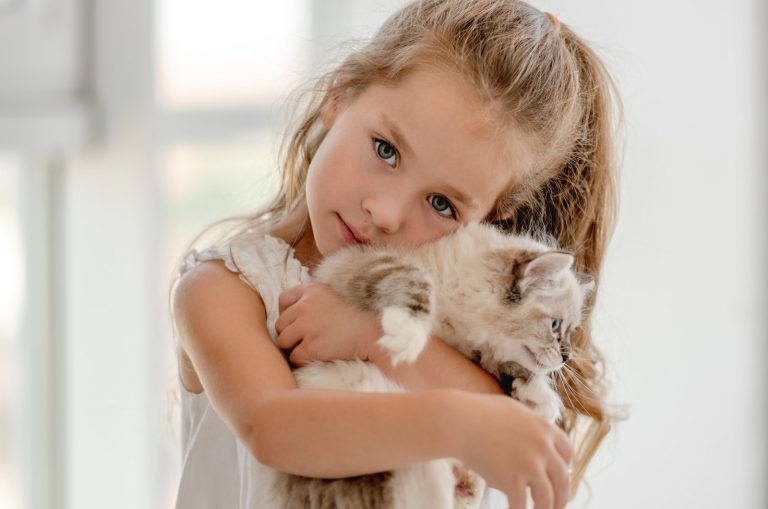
{"x":513,"y":448}
{"x":317,"y":324}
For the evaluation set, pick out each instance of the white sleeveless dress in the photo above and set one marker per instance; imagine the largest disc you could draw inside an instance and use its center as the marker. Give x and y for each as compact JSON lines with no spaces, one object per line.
{"x":217,"y":469}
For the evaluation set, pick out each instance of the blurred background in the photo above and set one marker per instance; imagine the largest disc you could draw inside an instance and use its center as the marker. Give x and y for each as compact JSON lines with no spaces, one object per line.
{"x":126,"y":127}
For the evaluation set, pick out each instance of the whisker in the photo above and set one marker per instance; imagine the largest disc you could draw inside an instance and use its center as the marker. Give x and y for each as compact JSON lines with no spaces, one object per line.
{"x":568,"y":392}
{"x":577,"y":356}
{"x":588,"y":395}
{"x":577,"y":378}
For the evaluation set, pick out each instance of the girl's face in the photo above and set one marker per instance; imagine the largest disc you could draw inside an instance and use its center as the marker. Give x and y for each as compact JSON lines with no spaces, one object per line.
{"x":408,"y":164}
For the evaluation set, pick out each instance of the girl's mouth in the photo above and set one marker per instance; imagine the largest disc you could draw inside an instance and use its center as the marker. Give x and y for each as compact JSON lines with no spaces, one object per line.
{"x":348,"y":234}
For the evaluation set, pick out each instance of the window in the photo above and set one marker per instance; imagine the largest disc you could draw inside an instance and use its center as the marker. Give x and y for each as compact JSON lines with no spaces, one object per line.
{"x":222,"y":72}
{"x":12,"y":269}
{"x":229,"y":53}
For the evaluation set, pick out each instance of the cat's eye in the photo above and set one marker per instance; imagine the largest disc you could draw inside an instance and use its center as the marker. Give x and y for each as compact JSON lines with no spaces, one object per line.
{"x":385,"y":150}
{"x":442,"y":205}
{"x":556,"y":322}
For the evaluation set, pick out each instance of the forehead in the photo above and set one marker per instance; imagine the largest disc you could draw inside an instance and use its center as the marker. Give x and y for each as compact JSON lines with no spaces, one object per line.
{"x":447,"y":134}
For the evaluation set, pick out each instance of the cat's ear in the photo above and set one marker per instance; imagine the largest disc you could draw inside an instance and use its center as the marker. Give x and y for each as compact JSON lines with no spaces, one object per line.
{"x":543,"y":270}
{"x":587,"y":285}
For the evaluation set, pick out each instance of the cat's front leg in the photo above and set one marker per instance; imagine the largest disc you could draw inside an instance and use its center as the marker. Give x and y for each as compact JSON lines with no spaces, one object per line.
{"x":405,"y":333}
{"x":403,"y":293}
{"x":394,"y":285}
{"x":539,"y":395}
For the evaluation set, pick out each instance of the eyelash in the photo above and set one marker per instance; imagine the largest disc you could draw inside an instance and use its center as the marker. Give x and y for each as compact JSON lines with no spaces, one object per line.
{"x":451,"y":207}
{"x":376,"y":141}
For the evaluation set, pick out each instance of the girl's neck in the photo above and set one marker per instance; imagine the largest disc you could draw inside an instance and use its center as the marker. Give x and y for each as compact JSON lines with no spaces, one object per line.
{"x":306,"y":251}
{"x":296,"y":231}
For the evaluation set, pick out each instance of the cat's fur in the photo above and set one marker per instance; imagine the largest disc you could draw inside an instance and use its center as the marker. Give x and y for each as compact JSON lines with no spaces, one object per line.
{"x":492,"y":296}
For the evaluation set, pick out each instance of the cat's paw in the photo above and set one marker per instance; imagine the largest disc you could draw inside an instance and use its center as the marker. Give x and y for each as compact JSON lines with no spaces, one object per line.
{"x":539,"y":396}
{"x":405,"y":335}
{"x":469,"y":487}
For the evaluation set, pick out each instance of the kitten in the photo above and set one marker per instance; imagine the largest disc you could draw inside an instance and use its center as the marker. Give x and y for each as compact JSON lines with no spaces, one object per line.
{"x":507,"y":302}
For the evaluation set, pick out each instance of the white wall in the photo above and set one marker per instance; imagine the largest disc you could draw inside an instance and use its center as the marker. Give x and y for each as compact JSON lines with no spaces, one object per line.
{"x":681,"y":316}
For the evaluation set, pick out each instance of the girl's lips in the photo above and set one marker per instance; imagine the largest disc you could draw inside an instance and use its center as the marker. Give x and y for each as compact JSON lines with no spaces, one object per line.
{"x":349,"y":234}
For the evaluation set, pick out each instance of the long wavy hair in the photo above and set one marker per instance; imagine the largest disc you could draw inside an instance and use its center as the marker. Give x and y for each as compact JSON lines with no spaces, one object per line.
{"x":537,"y":75}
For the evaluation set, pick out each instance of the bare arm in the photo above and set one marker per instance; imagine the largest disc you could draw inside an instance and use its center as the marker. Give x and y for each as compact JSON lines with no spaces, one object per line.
{"x":439,"y":365}
{"x":339,"y":433}
{"x":306,"y":432}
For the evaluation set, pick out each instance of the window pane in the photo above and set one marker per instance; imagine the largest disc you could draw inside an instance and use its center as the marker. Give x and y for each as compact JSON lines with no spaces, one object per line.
{"x":229,"y":52}
{"x":12,"y":271}
{"x":205,"y":182}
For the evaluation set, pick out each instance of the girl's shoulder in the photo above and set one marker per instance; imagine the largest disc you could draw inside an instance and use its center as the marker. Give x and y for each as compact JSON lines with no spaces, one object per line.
{"x":251,"y":254}
{"x":215,"y":314}
{"x":261,"y":260}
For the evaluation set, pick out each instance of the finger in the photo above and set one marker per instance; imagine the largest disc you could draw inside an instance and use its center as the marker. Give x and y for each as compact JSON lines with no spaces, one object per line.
{"x":298,"y":355}
{"x":541,"y":491}
{"x":289,"y":297}
{"x":288,"y":338}
{"x":563,"y":446}
{"x":285,"y":319}
{"x":516,"y":497}
{"x":558,"y":477}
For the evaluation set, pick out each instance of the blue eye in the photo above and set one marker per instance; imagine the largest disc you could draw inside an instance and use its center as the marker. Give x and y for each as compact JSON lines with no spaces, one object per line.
{"x":441,"y":204}
{"x":556,"y":324}
{"x":385,"y":150}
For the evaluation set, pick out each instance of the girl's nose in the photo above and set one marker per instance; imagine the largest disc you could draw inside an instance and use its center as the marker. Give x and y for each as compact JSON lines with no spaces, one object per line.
{"x":387,"y":213}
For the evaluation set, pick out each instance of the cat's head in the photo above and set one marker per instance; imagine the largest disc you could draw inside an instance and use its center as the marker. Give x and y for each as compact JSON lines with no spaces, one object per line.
{"x":538,"y":304}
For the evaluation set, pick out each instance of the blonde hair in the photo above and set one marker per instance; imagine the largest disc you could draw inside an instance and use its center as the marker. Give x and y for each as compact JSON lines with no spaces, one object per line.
{"x":536,"y":74}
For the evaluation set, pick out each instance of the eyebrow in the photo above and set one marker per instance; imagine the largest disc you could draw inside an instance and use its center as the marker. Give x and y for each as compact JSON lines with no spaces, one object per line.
{"x":399,"y":140}
{"x":397,"y":136}
{"x":461,"y":197}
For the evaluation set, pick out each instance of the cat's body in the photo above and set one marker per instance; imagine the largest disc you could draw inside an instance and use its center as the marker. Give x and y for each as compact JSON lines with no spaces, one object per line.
{"x":507,"y":302}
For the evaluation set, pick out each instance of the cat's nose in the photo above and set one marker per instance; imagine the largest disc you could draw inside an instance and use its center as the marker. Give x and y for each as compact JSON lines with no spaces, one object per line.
{"x":566,"y":356}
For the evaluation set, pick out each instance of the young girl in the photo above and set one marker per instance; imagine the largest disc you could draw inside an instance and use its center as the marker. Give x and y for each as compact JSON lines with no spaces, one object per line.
{"x":456,"y":110}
